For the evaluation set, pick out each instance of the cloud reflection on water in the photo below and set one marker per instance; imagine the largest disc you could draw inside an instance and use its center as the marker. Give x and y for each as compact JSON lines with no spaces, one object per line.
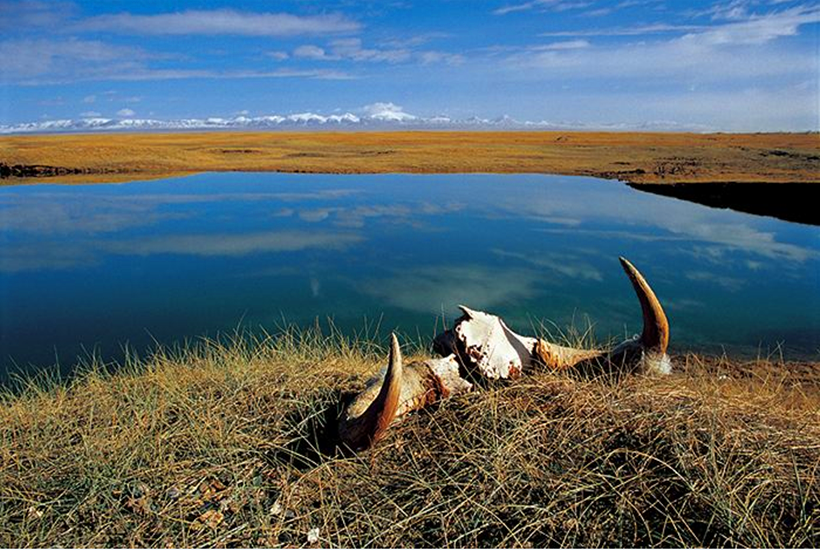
{"x":731,"y":284}
{"x":88,"y":253}
{"x":234,"y":245}
{"x":17,"y":258}
{"x":567,"y":265}
{"x":356,"y":216}
{"x":431,"y":289}
{"x":685,"y":224}
{"x":50,"y":216}
{"x":303,"y":246}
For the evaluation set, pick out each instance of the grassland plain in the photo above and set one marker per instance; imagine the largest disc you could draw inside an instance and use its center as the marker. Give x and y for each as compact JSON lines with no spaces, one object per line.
{"x":634,"y":157}
{"x":215,"y":445}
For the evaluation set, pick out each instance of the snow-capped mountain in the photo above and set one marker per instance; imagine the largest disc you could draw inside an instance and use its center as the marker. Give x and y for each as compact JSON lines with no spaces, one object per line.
{"x":375,"y":116}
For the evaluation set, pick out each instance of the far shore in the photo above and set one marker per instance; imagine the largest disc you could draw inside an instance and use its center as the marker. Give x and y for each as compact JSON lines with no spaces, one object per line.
{"x":634,"y":157}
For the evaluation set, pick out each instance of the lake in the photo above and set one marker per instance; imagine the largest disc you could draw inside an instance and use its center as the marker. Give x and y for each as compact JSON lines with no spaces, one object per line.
{"x":92,"y":268}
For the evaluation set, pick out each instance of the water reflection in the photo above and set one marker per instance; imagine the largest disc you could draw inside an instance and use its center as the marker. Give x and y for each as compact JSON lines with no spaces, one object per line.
{"x":97,"y":265}
{"x":431,"y":289}
{"x":225,"y":244}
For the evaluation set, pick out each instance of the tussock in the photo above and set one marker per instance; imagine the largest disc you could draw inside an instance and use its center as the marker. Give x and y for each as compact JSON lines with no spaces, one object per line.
{"x":216,"y":445}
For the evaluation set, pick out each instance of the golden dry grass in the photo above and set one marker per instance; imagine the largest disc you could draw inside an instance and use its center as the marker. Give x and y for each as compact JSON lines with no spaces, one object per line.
{"x":634,"y":157}
{"x":215,"y":446}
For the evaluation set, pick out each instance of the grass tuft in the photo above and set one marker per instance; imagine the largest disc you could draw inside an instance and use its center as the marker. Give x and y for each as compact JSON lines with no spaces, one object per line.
{"x":213,"y":445}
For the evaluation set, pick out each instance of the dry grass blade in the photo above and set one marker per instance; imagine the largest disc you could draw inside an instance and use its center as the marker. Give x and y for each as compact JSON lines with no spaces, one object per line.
{"x":218,"y":444}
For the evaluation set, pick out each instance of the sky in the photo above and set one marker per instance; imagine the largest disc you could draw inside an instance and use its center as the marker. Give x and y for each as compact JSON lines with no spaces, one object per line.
{"x":737,"y":65}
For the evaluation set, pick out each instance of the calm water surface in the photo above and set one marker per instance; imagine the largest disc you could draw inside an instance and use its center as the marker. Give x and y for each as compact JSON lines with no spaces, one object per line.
{"x":93,"y":267}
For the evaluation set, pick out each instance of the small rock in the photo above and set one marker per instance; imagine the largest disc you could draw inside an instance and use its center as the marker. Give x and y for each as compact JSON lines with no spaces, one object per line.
{"x":313,"y":535}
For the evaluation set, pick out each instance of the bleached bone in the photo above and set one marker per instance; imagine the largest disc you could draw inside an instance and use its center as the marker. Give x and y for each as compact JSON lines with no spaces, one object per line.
{"x":482,"y":345}
{"x":487,"y":347}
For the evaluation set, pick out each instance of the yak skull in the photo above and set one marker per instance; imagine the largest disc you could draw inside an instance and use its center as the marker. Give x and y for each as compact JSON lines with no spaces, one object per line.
{"x":481,"y":345}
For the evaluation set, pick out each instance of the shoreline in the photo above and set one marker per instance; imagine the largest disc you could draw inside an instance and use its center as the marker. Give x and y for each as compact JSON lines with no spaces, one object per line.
{"x":68,"y":371}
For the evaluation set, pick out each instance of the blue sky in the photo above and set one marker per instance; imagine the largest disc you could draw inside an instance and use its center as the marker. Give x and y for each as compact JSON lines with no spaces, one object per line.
{"x":741,"y":65}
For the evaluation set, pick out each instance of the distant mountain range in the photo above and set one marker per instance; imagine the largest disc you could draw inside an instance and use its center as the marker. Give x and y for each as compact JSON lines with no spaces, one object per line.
{"x":388,"y":119}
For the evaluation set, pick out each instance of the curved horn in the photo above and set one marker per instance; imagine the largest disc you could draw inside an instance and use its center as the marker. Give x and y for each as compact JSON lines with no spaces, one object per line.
{"x":655,"y":334}
{"x":361,"y":432}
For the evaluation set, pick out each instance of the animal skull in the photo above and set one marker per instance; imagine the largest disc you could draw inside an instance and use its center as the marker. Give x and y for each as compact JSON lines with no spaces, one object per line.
{"x":481,"y":345}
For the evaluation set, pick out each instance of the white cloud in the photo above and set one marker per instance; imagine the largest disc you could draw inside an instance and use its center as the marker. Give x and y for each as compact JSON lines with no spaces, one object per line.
{"x":38,"y":61}
{"x":732,"y":10}
{"x":719,"y":53}
{"x":525,"y":6}
{"x":310,"y":52}
{"x":49,"y":61}
{"x":125,"y":112}
{"x":567,"y":45}
{"x":52,"y":102}
{"x":220,"y":22}
{"x":26,"y":14}
{"x":757,"y":29}
{"x":432,"y":56}
{"x":89,"y":99}
{"x":414,"y":41}
{"x":134,"y":71}
{"x":90,"y":114}
{"x":321,"y":74}
{"x":546,"y":5}
{"x":351,"y":49}
{"x":638,"y":30}
{"x":24,"y":59}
